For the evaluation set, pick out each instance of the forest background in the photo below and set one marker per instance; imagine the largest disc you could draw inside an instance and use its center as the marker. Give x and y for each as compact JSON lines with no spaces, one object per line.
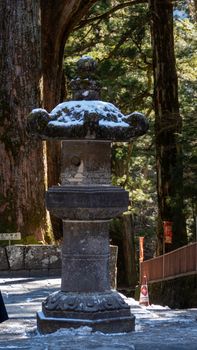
{"x":121,"y":37}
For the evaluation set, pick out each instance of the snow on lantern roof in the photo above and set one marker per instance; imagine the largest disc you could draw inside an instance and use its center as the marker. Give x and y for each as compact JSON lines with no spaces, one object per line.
{"x":86,"y":116}
{"x":77,"y":110}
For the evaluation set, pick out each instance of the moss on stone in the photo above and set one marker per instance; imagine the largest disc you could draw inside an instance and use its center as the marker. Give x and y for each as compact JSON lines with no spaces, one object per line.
{"x":28,"y":240}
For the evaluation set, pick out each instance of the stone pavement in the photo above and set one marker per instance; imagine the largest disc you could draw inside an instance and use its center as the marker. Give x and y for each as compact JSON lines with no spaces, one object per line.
{"x":157,"y":328}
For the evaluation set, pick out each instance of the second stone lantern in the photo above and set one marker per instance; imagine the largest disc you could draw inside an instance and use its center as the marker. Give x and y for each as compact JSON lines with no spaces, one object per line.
{"x":86,"y":202}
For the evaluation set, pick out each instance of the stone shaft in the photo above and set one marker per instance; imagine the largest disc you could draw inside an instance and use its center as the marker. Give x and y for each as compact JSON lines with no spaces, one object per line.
{"x":85,"y":256}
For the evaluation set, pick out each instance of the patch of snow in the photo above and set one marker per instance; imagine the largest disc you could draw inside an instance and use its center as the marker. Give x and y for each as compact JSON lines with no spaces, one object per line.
{"x":83,"y":330}
{"x":157,"y":307}
{"x":85,"y":93}
{"x":135,"y":112}
{"x":29,"y":300}
{"x":67,"y":111}
{"x":129,"y":301}
{"x":112,"y":124}
{"x":66,"y":123}
{"x":86,"y":57}
{"x":138,"y":328}
{"x":90,"y":106}
{"x":180,"y":14}
{"x":36,"y":110}
{"x":11,"y":347}
{"x":17,"y":330}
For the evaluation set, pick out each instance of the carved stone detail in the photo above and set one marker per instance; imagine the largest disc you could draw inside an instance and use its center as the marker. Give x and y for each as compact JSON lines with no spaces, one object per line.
{"x":84,"y":302}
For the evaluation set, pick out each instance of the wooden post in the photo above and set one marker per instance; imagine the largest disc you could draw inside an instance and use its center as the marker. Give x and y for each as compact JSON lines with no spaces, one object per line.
{"x":141,"y":256}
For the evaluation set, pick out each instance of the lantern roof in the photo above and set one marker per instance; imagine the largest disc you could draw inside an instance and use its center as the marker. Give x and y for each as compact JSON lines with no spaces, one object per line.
{"x":86,"y":116}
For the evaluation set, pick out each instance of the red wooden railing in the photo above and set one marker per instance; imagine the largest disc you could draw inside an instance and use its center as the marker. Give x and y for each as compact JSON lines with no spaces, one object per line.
{"x":179,"y":262}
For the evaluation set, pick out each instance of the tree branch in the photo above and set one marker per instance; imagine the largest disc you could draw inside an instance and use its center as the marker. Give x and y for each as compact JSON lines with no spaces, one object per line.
{"x":110,"y":12}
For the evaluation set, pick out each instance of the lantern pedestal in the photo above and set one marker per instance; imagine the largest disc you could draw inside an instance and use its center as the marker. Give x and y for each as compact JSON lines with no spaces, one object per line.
{"x":105,"y":312}
{"x":85,"y":298}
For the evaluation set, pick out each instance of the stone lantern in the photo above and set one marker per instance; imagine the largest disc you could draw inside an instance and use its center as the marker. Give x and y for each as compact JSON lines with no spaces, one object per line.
{"x":86,"y":202}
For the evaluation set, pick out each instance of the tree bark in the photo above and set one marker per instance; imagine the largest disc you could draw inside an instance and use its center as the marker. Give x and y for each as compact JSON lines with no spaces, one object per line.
{"x":31,"y":48}
{"x":168,"y":124}
{"x":22,"y":162}
{"x":129,"y":250}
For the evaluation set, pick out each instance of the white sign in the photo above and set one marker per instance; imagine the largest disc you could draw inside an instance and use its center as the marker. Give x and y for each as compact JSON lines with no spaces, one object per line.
{"x":10,"y":236}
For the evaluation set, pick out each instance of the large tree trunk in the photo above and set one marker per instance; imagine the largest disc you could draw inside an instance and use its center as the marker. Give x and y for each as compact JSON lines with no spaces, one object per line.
{"x":21,"y":159}
{"x":168,"y":124}
{"x":23,"y":45}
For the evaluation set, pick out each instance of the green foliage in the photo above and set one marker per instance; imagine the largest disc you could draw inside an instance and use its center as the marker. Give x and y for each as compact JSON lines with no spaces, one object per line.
{"x":121,"y":44}
{"x":133,"y":168}
{"x":186,"y":57}
{"x":28,"y":240}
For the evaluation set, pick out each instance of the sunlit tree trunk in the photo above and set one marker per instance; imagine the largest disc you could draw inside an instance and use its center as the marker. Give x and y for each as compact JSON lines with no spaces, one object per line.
{"x":168,"y":124}
{"x":21,"y":159}
{"x":32,"y":38}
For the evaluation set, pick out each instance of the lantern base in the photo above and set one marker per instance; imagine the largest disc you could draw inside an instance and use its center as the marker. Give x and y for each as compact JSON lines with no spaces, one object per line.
{"x":106,"y":312}
{"x":116,"y":324}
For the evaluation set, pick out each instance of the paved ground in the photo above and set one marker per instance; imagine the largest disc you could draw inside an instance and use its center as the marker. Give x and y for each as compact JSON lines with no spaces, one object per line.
{"x":157,"y":328}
